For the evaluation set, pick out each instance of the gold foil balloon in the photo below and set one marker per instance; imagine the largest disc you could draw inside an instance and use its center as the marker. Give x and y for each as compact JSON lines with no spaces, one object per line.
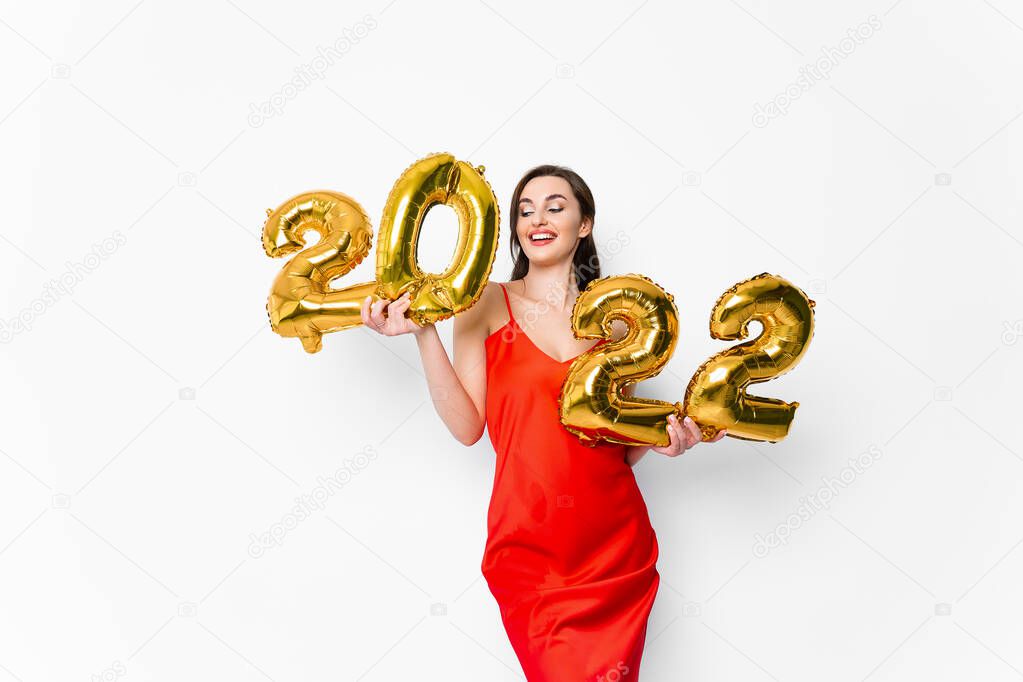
{"x":592,"y":405}
{"x":301,"y":302}
{"x":437,"y":179}
{"x":716,"y":396}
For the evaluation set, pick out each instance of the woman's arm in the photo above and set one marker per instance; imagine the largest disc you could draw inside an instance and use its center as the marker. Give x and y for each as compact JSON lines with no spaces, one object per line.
{"x":457,"y":407}
{"x":634,"y":453}
{"x":458,"y":390}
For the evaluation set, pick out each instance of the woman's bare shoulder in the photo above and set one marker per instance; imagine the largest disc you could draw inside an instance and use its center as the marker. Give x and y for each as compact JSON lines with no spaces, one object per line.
{"x":484,"y":316}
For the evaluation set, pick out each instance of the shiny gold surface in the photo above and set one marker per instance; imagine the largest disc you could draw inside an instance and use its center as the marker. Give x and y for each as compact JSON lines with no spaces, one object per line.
{"x":716,"y":397}
{"x":301,"y":302}
{"x":438,"y":179}
{"x":592,"y":406}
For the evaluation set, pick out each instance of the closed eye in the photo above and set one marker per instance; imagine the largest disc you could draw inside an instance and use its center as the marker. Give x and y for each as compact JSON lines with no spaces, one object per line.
{"x":528,"y":213}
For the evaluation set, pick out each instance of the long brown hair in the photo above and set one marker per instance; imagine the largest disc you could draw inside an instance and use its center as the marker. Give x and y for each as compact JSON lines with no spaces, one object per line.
{"x":586,"y":262}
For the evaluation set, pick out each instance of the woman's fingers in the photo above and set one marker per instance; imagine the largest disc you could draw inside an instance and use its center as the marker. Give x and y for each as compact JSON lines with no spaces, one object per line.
{"x":684,"y":435}
{"x":372,"y":313}
{"x":669,"y":448}
{"x":396,"y":312}
{"x":675,"y":444}
{"x":376,"y":313}
{"x":392,"y":312}
{"x":400,"y":305}
{"x":683,"y":439}
{"x":693,"y":435}
{"x":364,"y":310}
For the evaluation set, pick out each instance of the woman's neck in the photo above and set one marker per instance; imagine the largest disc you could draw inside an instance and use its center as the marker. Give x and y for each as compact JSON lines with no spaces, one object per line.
{"x":553,"y":284}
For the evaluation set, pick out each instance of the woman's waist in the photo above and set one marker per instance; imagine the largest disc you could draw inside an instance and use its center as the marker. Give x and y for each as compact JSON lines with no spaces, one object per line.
{"x":523,"y":565}
{"x":566,"y":520}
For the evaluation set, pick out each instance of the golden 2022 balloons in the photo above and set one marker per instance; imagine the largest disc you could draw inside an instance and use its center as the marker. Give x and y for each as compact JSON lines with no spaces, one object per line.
{"x":592,"y":405}
{"x":301,"y":302}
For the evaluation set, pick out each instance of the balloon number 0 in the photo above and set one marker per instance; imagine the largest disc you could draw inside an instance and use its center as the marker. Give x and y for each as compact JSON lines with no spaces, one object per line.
{"x":591,"y":404}
{"x":301,"y":302}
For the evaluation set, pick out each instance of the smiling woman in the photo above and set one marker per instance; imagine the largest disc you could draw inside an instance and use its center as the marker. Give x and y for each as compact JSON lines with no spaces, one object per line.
{"x":570,"y":555}
{"x":558,"y":215}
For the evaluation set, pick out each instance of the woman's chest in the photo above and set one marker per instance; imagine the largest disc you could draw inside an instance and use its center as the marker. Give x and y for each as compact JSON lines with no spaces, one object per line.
{"x":516,"y":374}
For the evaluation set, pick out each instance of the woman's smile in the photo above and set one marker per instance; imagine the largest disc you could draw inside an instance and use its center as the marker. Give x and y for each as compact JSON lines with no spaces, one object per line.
{"x":542,"y":237}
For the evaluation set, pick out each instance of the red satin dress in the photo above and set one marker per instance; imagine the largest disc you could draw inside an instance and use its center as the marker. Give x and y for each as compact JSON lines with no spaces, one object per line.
{"x":570,"y":554}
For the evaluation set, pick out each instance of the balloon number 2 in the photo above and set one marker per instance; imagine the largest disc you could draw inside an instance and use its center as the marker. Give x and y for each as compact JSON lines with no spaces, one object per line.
{"x":592,"y":406}
{"x":302,"y":303}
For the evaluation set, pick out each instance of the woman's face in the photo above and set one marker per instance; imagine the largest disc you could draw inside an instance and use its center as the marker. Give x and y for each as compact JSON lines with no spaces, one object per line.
{"x":549,"y":224}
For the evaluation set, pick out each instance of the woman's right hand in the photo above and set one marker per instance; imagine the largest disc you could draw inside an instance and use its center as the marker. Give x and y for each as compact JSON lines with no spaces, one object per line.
{"x":684,"y":436}
{"x":395,"y":322}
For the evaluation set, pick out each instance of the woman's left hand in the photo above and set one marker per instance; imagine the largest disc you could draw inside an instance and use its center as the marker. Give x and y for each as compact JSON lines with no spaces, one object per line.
{"x":683,"y":436}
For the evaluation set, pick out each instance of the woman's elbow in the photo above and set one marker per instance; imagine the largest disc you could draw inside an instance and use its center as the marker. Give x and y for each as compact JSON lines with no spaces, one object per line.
{"x":471,"y":439}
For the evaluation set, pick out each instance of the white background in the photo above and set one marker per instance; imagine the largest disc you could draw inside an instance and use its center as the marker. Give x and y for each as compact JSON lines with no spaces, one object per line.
{"x":153,"y":423}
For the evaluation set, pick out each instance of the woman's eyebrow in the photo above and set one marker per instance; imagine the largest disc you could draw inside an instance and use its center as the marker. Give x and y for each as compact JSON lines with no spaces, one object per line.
{"x":549,"y":197}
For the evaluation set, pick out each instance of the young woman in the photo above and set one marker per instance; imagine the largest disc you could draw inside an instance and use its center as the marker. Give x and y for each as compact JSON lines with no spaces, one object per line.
{"x":570,"y":554}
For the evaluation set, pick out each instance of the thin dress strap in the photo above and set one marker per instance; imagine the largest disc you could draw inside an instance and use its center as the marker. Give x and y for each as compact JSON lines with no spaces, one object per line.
{"x":507,"y":303}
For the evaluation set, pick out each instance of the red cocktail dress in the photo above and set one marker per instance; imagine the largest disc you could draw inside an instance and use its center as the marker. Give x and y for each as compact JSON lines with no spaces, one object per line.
{"x":570,"y":554}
